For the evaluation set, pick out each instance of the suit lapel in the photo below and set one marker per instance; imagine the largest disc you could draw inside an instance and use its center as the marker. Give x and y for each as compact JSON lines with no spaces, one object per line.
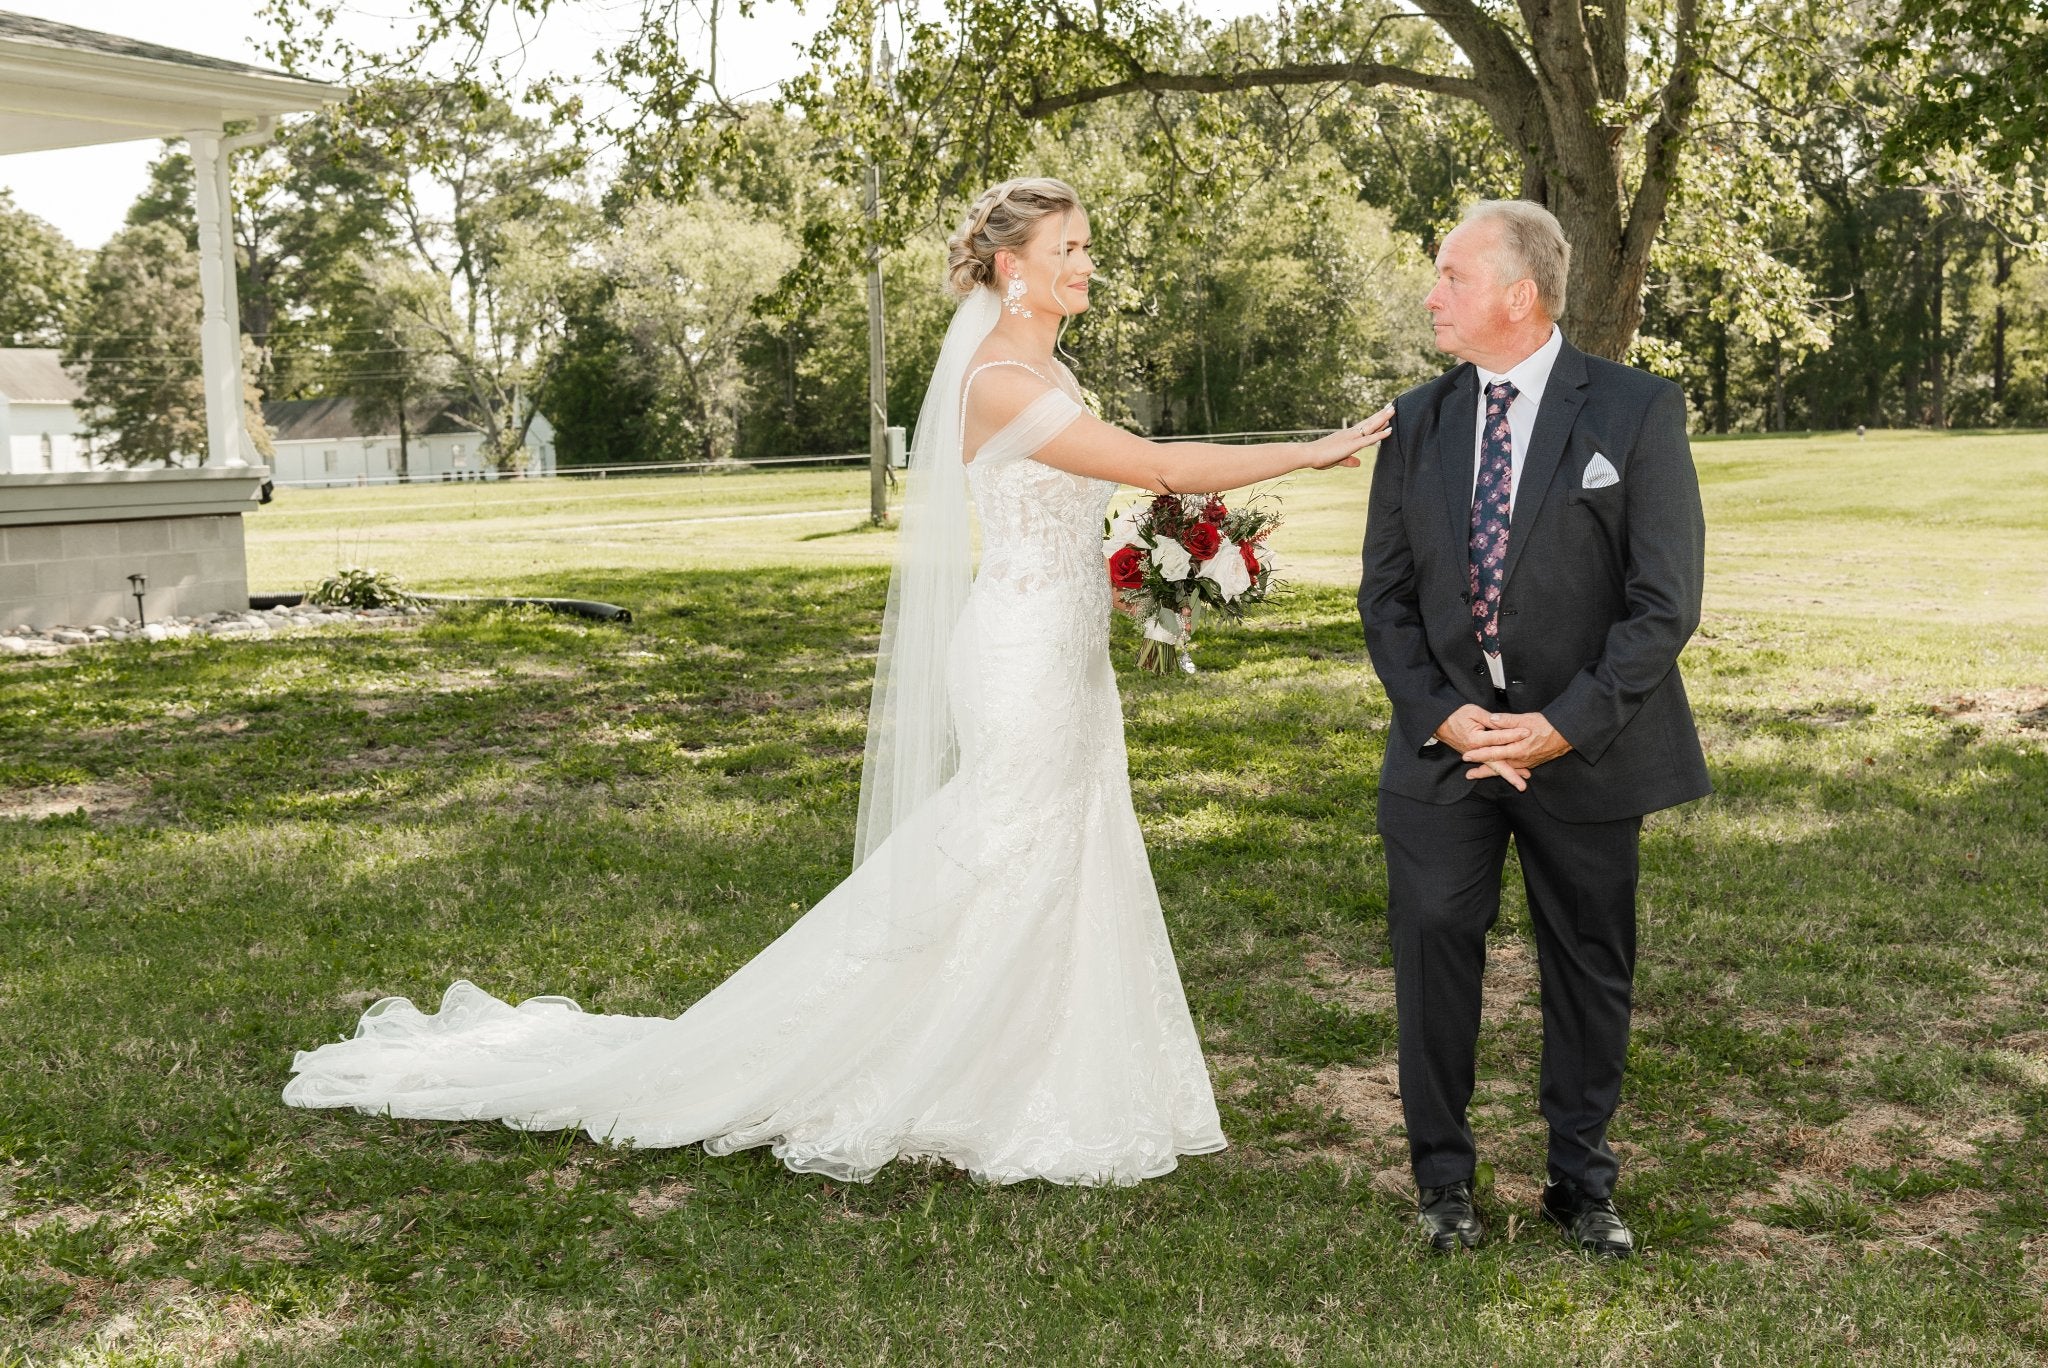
{"x":1457,"y":435}
{"x":1563,"y":396}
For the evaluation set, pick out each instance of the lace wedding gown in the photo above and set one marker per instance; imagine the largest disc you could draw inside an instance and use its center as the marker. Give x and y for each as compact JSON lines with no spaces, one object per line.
{"x":1019,"y":1015}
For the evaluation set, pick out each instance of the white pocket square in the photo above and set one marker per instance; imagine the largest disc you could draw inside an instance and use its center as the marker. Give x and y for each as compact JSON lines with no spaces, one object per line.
{"x":1600,"y":473}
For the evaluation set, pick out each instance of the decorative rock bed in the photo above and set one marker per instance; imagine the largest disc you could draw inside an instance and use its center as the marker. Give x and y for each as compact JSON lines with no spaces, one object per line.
{"x":26,"y":641}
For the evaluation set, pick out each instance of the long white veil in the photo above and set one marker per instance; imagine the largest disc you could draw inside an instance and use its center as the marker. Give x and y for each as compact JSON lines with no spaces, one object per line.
{"x":911,"y":747}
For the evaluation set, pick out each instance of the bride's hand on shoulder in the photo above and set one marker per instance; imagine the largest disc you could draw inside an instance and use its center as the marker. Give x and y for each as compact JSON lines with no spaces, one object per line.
{"x":1342,"y":446}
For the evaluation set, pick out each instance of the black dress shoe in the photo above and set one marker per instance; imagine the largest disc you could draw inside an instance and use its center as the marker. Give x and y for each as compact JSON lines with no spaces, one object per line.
{"x":1446,"y":1217}
{"x":1592,"y":1222}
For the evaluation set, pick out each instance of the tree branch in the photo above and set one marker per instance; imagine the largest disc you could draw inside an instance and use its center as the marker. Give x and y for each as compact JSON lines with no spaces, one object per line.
{"x":1666,"y":138}
{"x":1320,"y":73}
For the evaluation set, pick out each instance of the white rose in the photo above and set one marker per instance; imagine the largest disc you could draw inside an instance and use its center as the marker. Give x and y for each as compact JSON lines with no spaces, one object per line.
{"x":1172,"y":559}
{"x":1123,"y":531}
{"x":1226,"y":570}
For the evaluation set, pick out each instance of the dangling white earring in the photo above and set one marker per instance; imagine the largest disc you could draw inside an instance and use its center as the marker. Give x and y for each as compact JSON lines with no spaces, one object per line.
{"x":1013,"y":294}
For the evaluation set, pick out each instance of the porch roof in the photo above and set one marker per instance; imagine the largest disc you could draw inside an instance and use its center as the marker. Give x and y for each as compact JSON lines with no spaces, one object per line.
{"x":63,"y":86}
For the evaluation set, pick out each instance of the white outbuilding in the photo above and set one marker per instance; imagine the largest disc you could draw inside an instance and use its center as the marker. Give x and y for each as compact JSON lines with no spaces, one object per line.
{"x":323,"y":442}
{"x":40,"y":428}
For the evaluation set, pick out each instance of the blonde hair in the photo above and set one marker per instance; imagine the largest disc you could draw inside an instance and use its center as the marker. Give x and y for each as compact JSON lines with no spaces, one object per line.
{"x":1533,"y":243}
{"x":1002,"y":219}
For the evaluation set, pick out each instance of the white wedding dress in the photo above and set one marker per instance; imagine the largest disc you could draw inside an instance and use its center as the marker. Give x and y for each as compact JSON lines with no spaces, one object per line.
{"x":992,"y":986}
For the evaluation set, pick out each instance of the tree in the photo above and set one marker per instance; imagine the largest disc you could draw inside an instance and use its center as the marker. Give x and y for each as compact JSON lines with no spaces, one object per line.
{"x":600,"y":397}
{"x":310,"y":207}
{"x":486,"y":260}
{"x":1981,"y":67}
{"x":137,"y":348}
{"x":685,"y":280}
{"x":44,"y":276}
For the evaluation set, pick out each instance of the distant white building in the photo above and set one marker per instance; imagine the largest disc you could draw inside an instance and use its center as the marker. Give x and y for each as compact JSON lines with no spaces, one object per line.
{"x":40,"y":427}
{"x":321,"y":442}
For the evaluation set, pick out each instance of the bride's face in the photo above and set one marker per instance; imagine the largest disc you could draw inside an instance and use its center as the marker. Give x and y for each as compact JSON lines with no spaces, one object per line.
{"x":1055,"y":265}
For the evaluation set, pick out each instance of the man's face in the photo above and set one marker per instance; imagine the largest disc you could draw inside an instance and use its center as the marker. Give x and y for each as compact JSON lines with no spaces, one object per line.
{"x":1468,"y":306}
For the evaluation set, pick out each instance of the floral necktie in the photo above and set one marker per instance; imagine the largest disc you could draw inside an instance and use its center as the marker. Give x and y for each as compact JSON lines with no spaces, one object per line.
{"x":1492,"y":496}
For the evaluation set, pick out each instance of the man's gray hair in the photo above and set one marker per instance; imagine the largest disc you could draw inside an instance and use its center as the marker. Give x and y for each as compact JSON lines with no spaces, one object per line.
{"x":1532,"y":245}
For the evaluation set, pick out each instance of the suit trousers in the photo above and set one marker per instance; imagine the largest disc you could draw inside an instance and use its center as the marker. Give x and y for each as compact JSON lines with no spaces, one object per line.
{"x":1444,"y":866}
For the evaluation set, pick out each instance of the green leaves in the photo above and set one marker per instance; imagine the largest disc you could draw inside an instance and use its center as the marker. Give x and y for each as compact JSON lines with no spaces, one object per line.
{"x":45,"y":276}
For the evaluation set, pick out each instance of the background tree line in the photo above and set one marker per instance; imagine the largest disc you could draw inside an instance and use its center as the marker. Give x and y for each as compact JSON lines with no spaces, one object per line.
{"x":1847,"y":223}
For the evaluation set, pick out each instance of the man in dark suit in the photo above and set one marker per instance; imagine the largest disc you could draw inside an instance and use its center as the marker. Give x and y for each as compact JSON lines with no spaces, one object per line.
{"x":1533,"y":560}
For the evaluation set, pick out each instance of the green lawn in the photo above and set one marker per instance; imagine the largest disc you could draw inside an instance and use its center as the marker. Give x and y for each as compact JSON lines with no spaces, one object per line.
{"x":1835,"y":1134}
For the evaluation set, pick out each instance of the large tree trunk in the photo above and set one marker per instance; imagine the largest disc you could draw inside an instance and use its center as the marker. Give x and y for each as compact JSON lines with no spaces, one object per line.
{"x":1604,"y":306}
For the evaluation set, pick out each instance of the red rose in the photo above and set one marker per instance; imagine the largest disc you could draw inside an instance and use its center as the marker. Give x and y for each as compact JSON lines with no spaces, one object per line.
{"x":1251,"y":558}
{"x":1202,"y":540}
{"x":1214,"y":510}
{"x":1127,"y":568}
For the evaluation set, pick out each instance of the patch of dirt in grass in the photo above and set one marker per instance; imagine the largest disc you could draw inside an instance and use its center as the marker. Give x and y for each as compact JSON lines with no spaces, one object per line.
{"x":353,"y":1226}
{"x":272,"y":1244}
{"x":649,"y":1202}
{"x":1876,"y":1137}
{"x":72,"y":1218}
{"x":1511,"y":984}
{"x":98,"y":800}
{"x":1396,"y":1183}
{"x":167,"y":1320}
{"x":1944,"y":1213}
{"x":1509,"y":988}
{"x":1752,"y":1241}
{"x":1361,"y":988}
{"x":2023,"y":708}
{"x":1368,"y":1096}
{"x":1880,"y":1137}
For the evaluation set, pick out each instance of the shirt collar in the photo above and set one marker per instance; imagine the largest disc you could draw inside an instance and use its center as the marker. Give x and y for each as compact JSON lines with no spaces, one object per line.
{"x":1531,"y":374}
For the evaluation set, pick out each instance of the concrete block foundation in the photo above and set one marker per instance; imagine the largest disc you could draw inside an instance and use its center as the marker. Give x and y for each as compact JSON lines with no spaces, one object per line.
{"x":68,"y":544}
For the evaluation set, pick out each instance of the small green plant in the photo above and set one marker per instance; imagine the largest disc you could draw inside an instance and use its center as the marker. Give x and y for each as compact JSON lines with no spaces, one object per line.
{"x":358,"y":586}
{"x":1824,"y":1210}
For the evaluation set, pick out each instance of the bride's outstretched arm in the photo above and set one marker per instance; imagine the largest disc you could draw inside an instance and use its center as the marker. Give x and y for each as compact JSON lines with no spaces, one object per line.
{"x":1089,"y":446}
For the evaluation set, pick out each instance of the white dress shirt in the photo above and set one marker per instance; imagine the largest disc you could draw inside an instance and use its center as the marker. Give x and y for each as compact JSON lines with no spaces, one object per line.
{"x":1529,"y":376}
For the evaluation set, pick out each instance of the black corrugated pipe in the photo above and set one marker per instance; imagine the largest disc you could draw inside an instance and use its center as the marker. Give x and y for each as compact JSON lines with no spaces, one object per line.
{"x":585,"y":608}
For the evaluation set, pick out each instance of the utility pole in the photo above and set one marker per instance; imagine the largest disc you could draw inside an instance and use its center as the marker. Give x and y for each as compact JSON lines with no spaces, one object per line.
{"x":878,"y":361}
{"x":878,"y":366}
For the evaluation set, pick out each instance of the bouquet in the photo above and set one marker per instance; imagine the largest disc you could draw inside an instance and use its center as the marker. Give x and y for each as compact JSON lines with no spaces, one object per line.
{"x":1176,"y":556}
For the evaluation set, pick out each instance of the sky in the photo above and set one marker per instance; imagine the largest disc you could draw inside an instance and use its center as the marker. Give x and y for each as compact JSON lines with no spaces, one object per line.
{"x":86,"y":191}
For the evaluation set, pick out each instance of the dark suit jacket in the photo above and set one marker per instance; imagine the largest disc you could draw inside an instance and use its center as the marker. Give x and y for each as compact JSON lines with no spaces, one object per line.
{"x":1602,"y":589}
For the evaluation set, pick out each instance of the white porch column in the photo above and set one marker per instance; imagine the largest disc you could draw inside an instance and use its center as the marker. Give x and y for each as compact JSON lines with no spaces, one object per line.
{"x":220,"y":354}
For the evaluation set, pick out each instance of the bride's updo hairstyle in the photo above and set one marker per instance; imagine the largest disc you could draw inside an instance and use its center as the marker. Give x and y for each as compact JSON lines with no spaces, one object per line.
{"x":1002,"y":219}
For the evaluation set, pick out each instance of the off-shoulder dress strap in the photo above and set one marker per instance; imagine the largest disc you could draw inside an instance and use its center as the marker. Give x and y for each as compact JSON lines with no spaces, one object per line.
{"x":1040,"y":421}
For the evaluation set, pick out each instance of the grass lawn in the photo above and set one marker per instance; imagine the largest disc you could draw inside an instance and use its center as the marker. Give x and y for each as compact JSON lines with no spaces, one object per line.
{"x":215,"y":852}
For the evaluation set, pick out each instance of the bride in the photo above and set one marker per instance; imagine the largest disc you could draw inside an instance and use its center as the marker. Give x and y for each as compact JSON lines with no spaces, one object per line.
{"x":992,"y":985}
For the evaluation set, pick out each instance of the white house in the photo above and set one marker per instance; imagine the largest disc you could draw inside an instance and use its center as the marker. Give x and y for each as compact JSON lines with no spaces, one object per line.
{"x":323,"y":442}
{"x":40,"y":429}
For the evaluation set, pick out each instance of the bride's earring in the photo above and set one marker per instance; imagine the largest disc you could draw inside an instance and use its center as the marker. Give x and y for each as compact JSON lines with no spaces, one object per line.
{"x":1013,"y":295}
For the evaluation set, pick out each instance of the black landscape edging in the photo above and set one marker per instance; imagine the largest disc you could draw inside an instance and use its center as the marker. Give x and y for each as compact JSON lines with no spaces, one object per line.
{"x":586,"y":608}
